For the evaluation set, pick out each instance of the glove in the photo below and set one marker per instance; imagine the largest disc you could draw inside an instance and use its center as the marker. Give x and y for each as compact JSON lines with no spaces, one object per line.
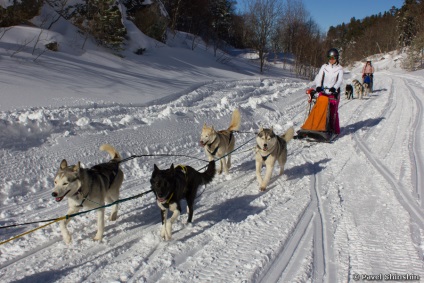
{"x":332,"y":90}
{"x":318,"y":89}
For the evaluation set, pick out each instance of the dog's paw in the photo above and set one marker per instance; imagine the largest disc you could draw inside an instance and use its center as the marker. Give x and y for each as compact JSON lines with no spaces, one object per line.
{"x":162,"y":232}
{"x":262,"y":189}
{"x":168,"y":233}
{"x":113,"y":216}
{"x":98,"y":238}
{"x":67,"y":239}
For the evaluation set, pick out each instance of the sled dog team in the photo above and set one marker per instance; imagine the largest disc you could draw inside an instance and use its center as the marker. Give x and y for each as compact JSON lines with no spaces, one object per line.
{"x":93,"y":187}
{"x":361,"y":90}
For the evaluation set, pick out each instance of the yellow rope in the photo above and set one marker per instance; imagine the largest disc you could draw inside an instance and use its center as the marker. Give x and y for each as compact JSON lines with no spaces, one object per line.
{"x":31,"y":231}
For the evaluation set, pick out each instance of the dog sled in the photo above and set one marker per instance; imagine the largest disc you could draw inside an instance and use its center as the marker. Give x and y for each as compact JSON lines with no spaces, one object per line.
{"x":368,"y":79}
{"x":322,"y":123}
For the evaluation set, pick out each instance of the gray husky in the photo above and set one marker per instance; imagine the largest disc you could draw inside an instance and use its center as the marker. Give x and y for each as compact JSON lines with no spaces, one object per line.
{"x":269,"y":149}
{"x":89,"y":188}
{"x":359,"y":88}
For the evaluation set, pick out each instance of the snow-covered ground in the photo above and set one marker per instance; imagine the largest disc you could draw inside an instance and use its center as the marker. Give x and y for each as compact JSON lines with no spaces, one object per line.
{"x":350,"y":208}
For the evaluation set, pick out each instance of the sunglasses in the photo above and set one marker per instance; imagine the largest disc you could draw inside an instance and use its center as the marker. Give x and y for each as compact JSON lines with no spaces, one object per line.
{"x":331,"y":58}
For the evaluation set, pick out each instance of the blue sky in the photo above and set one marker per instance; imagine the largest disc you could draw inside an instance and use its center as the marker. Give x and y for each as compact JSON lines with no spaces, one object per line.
{"x":328,"y":13}
{"x":333,"y":12}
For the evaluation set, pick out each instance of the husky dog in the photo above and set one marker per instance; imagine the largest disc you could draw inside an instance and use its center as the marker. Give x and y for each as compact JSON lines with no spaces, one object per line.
{"x":359,"y":88}
{"x":174,"y":184}
{"x":89,"y":188}
{"x":270,"y":148}
{"x":366,"y":89}
{"x":349,"y":91}
{"x":219,"y":143}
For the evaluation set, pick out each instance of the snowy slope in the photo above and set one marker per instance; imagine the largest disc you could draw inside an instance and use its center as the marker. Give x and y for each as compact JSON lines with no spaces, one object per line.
{"x":341,"y":210}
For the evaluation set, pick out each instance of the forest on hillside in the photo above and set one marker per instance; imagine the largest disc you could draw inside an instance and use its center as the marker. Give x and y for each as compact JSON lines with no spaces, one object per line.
{"x":275,"y":29}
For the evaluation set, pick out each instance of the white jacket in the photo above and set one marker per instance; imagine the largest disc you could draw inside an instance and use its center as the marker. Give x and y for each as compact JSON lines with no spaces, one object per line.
{"x":333,"y":76}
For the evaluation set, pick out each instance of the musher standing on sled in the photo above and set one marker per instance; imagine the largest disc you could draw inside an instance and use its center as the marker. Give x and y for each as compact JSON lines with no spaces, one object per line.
{"x":328,"y":82}
{"x":368,"y":70}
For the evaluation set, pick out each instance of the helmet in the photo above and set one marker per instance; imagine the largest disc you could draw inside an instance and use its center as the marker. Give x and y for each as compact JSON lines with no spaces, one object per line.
{"x":333,"y":52}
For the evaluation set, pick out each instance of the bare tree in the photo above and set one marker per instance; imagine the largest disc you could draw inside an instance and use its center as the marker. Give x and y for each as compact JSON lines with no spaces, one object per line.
{"x":292,"y":19}
{"x":3,"y":31}
{"x":43,"y":23}
{"x":262,"y":18}
{"x":299,"y":35}
{"x":22,"y":46}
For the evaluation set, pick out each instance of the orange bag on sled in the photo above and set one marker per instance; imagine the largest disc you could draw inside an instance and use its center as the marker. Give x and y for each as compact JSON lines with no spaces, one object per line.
{"x":318,"y":119}
{"x":318,"y":124}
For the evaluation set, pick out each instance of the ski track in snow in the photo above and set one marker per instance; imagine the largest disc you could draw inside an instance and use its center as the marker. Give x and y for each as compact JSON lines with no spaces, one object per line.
{"x":304,"y":228}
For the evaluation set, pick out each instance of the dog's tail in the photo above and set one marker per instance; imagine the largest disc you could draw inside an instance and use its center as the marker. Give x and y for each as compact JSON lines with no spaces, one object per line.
{"x":208,"y":175}
{"x":235,"y":121}
{"x":112,"y":152}
{"x":288,"y":135}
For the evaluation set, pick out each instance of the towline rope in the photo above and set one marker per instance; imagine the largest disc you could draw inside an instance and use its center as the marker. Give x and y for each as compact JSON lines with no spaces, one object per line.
{"x":150,"y":155}
{"x":229,"y":152}
{"x":68,"y":216}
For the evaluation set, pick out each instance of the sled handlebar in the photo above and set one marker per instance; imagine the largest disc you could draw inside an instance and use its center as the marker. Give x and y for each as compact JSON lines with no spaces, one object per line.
{"x":311,"y":93}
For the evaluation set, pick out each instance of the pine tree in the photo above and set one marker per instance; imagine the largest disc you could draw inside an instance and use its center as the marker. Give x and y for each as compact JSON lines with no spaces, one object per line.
{"x":220,"y":21}
{"x":106,"y":23}
{"x":406,"y":26}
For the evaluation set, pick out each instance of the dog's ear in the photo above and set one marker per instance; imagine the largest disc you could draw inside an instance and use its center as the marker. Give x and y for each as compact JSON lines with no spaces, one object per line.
{"x":272,"y":128}
{"x":261,"y":129}
{"x":63,"y":164}
{"x":77,"y":167}
{"x":155,"y":170}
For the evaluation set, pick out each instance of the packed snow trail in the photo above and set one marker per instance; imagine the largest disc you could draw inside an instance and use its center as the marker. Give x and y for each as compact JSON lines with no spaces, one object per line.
{"x":324,"y":220}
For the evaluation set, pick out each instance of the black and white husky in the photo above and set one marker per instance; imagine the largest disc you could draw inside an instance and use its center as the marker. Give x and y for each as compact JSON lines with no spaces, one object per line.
{"x":359,"y":88}
{"x":174,"y":184}
{"x":89,"y":188}
{"x":269,"y":149}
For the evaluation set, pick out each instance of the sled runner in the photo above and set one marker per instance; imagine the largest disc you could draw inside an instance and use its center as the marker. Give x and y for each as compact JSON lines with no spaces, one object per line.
{"x":321,"y":123}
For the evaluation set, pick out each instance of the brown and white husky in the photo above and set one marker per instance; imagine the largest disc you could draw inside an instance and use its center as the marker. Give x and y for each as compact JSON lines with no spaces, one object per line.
{"x":219,"y":143}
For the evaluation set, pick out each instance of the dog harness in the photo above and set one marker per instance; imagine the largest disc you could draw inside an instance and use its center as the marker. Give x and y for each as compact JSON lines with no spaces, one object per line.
{"x":166,"y":203}
{"x":216,"y":149}
{"x":110,"y":174}
{"x":264,"y":158}
{"x":99,"y":169}
{"x":184,"y":170}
